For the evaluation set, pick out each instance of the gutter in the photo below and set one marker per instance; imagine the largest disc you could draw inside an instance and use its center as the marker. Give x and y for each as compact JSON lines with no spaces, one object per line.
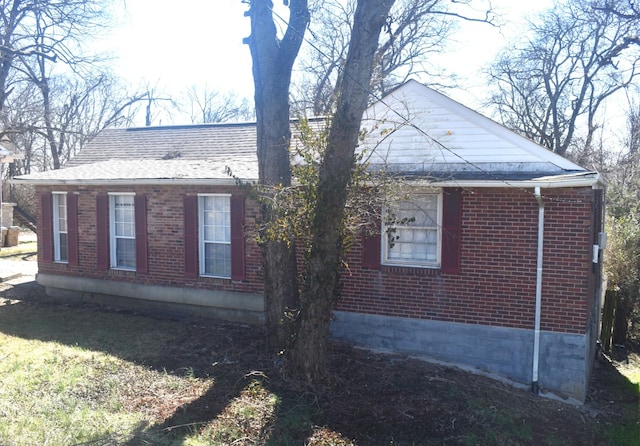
{"x":590,"y":179}
{"x":535,"y":388}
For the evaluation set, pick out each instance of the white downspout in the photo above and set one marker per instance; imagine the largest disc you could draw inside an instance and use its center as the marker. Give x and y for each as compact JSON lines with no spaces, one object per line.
{"x":536,"y":334}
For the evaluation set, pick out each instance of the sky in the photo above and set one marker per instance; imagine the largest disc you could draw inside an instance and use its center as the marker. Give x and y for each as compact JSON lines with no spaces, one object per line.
{"x":172,"y":45}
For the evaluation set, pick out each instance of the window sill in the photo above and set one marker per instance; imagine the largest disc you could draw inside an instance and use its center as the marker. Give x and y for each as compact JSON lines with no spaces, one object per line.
{"x":411,"y":270}
{"x":204,"y":276}
{"x":122,"y":272}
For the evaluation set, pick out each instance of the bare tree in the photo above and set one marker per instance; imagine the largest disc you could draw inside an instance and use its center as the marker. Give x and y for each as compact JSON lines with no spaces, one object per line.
{"x":209,"y":105}
{"x":319,"y":287}
{"x":415,"y":29}
{"x":632,"y":141}
{"x":624,"y":9}
{"x":34,"y":31}
{"x":551,"y":87}
{"x":78,"y":109}
{"x":39,"y":36}
{"x":273,"y":56}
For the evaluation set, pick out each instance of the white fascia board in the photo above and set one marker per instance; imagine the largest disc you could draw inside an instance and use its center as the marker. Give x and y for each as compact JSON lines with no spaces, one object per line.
{"x":593,"y":181}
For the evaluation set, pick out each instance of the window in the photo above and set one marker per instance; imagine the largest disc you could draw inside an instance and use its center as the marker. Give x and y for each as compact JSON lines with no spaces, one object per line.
{"x":214,"y":236}
{"x":59,"y":228}
{"x":413,"y":237}
{"x":214,"y":223}
{"x":122,"y":234}
{"x":60,"y":233}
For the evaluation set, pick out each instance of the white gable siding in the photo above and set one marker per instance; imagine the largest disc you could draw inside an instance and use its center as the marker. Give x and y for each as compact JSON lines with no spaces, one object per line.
{"x":416,"y":126}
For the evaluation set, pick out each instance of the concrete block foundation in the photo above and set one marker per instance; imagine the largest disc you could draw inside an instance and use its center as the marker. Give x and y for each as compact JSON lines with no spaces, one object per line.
{"x":563,"y":367}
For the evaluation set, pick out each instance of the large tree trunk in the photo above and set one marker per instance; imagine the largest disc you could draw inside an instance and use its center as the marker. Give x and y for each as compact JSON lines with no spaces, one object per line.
{"x":272,"y":64}
{"x":321,"y":287}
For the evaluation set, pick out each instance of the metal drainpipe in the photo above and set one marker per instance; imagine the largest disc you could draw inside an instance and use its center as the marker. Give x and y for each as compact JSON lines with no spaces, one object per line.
{"x":536,"y":334}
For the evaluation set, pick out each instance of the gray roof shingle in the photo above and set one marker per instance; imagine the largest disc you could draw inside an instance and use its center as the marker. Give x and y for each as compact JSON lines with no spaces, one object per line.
{"x":216,"y":170}
{"x":188,"y":142}
{"x":443,"y":141}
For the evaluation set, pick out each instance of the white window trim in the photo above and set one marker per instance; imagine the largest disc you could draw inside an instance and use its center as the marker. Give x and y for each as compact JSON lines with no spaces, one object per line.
{"x":112,"y":231}
{"x":384,"y":249}
{"x":56,"y":227}
{"x":201,"y":240}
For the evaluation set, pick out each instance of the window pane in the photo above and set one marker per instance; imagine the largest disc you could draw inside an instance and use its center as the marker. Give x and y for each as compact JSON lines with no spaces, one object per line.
{"x":215,"y":235}
{"x":208,"y":218}
{"x":422,"y":211}
{"x":431,"y":253}
{"x":217,"y":258}
{"x":124,"y":216}
{"x":216,"y":219}
{"x":221,"y":233}
{"x":123,"y":231}
{"x":420,"y":236}
{"x":60,"y":227}
{"x":207,"y":203}
{"x":414,"y":239}
{"x":125,"y":253}
{"x":62,"y":212}
{"x":63,"y":255}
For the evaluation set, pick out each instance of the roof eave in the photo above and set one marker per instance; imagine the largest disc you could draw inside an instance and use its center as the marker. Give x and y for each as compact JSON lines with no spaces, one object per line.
{"x":136,"y":182}
{"x":591,"y":179}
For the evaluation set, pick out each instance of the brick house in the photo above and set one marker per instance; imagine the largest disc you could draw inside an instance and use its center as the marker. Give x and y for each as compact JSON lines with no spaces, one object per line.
{"x":497,"y":266}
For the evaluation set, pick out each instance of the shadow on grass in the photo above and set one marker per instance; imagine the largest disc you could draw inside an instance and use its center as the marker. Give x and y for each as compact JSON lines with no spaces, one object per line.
{"x":373,"y":399}
{"x":362,"y":404}
{"x":229,"y":354}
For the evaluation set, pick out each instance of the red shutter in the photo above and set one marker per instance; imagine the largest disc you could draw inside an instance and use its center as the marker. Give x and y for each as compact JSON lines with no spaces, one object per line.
{"x":451,"y":230}
{"x":102,"y":231}
{"x":46,"y":227}
{"x":190,"y":236}
{"x":72,"y":229}
{"x":371,"y":251}
{"x":142,"y":258}
{"x":237,"y":237}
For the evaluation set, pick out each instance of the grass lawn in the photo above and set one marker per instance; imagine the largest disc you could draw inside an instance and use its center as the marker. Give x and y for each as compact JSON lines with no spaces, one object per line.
{"x":82,"y":375}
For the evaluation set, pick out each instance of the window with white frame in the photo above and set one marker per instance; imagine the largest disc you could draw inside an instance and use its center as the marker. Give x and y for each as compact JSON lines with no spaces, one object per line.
{"x":122,"y":227}
{"x":412,"y":233}
{"x":60,"y":235}
{"x":214,"y":221}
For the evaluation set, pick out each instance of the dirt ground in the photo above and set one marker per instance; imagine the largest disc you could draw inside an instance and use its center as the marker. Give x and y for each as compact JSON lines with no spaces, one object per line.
{"x":380,"y":399}
{"x":377,"y":399}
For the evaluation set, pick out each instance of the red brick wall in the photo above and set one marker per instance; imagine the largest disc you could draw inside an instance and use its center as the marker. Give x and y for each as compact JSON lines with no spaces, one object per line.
{"x":496,"y":285}
{"x":165,"y":233}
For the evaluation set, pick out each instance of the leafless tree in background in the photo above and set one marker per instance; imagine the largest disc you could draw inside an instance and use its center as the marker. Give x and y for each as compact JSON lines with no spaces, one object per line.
{"x":414,"y":31}
{"x":551,"y":86}
{"x":54,"y":94}
{"x":207,"y":105}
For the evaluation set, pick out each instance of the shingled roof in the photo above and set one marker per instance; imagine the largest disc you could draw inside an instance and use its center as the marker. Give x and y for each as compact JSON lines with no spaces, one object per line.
{"x":218,"y":170}
{"x":414,"y":132}
{"x":186,"y":142}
